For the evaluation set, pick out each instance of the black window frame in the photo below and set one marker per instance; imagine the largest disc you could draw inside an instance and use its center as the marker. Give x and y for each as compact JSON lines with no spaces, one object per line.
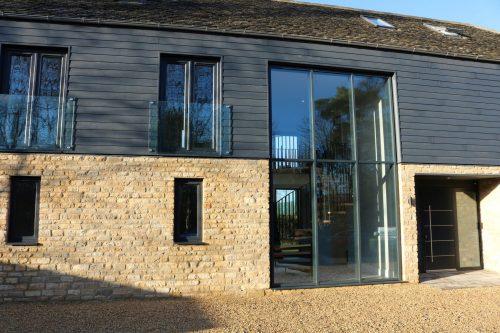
{"x":26,"y":240}
{"x":37,"y":53}
{"x":189,"y":62}
{"x":180,"y":238}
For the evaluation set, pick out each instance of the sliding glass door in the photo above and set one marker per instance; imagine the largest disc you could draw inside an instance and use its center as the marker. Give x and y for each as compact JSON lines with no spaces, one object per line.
{"x":333,"y":178}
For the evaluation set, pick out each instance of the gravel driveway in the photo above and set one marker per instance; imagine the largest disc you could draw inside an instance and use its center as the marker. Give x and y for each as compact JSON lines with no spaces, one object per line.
{"x":384,"y":308}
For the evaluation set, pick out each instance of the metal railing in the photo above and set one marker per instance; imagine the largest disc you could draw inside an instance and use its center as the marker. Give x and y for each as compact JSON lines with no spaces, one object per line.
{"x":287,"y":215}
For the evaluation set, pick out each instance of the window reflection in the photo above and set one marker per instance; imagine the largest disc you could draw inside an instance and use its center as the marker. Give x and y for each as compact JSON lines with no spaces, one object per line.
{"x":292,"y":230}
{"x":201,"y":112}
{"x":352,"y":231}
{"x":332,"y":102}
{"x":46,"y":106}
{"x":335,"y":218}
{"x":188,"y":105}
{"x":30,"y":113}
{"x":373,"y":118}
{"x":290,"y":102}
{"x":378,"y":233}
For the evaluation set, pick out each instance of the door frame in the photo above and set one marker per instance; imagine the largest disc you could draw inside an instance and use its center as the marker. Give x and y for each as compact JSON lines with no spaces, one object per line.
{"x":454,"y":184}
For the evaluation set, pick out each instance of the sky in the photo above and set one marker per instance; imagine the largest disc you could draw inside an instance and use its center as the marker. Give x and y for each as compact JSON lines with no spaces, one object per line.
{"x":484,"y":13}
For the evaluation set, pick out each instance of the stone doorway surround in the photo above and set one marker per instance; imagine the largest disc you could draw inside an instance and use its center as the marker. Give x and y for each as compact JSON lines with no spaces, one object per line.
{"x":489,"y":203}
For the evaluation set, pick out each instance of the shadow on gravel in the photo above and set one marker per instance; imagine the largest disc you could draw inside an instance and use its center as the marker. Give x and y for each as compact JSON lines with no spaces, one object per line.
{"x":60,"y":302}
{"x":174,"y":314}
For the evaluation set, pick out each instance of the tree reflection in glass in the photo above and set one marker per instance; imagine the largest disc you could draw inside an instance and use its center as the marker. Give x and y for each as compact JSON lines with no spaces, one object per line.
{"x":373,"y":111}
{"x":13,"y":108}
{"x":45,"y":109}
{"x":332,"y":101}
{"x":202,"y":107}
{"x":172,"y":109}
{"x":29,"y":114}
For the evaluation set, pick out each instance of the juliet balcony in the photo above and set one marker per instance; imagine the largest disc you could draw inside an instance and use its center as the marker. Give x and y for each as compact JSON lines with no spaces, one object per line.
{"x":191,"y":129}
{"x":36,"y":123}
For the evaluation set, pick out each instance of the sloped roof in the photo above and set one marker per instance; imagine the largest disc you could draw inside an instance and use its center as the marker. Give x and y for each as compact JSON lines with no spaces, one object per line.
{"x":284,"y":19}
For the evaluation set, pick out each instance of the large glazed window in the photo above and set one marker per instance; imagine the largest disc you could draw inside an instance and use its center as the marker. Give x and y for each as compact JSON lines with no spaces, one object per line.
{"x":190,"y":116}
{"x":334,"y":206}
{"x":32,"y":105}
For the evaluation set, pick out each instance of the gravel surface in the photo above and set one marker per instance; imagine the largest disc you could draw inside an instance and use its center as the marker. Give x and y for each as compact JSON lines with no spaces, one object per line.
{"x":382,"y":308}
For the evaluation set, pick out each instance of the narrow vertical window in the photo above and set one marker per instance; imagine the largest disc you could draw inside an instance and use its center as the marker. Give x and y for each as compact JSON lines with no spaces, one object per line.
{"x":187,"y":210}
{"x":23,"y":212}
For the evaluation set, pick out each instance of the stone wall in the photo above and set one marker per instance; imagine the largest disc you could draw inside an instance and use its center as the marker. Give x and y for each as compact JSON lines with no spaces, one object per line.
{"x":489,"y":191}
{"x":106,"y":228}
{"x":489,"y":205}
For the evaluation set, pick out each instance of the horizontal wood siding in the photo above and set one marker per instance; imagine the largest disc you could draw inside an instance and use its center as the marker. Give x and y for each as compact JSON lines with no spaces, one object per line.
{"x":449,"y":109}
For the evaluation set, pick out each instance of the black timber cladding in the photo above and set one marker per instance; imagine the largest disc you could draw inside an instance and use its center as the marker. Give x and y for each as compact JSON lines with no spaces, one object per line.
{"x":449,"y":109}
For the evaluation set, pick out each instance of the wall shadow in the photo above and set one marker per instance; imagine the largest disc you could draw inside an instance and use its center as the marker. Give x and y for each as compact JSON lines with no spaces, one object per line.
{"x":53,"y":300}
{"x":436,"y":275}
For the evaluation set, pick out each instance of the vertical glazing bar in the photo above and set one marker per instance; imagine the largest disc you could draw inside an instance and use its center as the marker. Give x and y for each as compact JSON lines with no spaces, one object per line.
{"x":187,"y":99}
{"x":314,"y":207}
{"x":153,"y":126}
{"x":30,"y":99}
{"x":215,"y":117}
{"x":355,"y":175}
{"x":62,"y":105}
{"x":69,"y":123}
{"x":430,"y":233}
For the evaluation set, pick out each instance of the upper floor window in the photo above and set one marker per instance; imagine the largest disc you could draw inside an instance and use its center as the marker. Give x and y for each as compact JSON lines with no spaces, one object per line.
{"x":189,"y":118}
{"x":32,"y":98}
{"x":189,"y":101}
{"x":331,"y":116}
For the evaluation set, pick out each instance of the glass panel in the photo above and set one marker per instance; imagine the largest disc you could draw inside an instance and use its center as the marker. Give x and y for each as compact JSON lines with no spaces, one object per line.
{"x":171,"y":111}
{"x":467,"y":229}
{"x":19,"y":74}
{"x":292,"y":225}
{"x":372,"y":102}
{"x":378,"y":232}
{"x":45,"y":112}
{"x":22,"y":210}
{"x":332,"y":100}
{"x":13,"y":108}
{"x":186,"y":201}
{"x":44,"y":117}
{"x":49,"y":81}
{"x":13,"y":111}
{"x":290,"y":103}
{"x":335,"y":218}
{"x":201,"y":112}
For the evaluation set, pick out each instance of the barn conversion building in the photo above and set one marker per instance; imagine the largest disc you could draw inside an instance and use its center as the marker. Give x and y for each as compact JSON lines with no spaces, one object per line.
{"x":154,"y":147}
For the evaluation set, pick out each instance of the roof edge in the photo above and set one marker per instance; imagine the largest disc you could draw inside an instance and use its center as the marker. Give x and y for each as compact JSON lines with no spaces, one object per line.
{"x":371,"y":11}
{"x":236,"y":32}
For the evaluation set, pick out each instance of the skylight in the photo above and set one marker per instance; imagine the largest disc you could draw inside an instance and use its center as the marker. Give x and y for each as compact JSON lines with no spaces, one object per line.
{"x":377,"y":21}
{"x":452,"y":32}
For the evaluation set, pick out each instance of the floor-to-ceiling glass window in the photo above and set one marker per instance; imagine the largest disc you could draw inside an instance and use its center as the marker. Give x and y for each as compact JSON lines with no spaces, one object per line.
{"x":333,"y":178}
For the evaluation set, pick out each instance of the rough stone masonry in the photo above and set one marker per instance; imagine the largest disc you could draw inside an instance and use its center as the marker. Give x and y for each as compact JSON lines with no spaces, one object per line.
{"x":106,"y":228}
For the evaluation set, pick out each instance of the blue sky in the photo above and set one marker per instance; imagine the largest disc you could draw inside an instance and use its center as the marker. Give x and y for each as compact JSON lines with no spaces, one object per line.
{"x":485,"y":13}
